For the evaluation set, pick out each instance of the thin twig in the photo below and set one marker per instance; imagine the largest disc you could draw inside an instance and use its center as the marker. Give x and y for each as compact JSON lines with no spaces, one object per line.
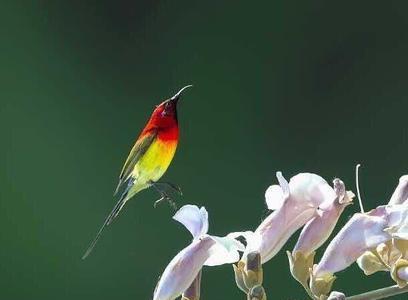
{"x":380,"y":293}
{"x":358,"y":190}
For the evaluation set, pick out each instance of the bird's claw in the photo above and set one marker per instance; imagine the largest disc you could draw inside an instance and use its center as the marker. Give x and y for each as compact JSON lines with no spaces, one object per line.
{"x":172,"y":204}
{"x":163,"y":193}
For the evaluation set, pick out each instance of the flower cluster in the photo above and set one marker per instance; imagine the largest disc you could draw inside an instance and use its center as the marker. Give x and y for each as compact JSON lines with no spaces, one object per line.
{"x":381,"y":233}
{"x":377,"y":240}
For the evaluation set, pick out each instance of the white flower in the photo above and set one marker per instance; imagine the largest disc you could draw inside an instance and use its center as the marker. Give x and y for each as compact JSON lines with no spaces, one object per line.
{"x":203,"y":250}
{"x":361,"y":233}
{"x":318,"y":230}
{"x":294,"y":204}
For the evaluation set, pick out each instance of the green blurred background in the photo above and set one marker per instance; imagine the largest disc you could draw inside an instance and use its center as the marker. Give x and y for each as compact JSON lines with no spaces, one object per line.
{"x":278,"y":85}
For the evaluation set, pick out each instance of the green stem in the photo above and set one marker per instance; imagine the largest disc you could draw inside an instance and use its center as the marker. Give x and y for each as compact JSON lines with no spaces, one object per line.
{"x":307,"y":289}
{"x":380,"y":293}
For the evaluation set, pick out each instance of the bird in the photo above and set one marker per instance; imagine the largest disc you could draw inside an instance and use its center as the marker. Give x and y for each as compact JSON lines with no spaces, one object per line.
{"x":148,"y":160}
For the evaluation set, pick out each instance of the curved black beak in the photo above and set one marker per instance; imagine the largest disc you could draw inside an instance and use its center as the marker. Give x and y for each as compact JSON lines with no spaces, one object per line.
{"x":177,"y":96}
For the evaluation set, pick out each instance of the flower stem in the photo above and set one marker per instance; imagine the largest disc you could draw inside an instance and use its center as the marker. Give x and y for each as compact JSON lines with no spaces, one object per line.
{"x":380,"y":293}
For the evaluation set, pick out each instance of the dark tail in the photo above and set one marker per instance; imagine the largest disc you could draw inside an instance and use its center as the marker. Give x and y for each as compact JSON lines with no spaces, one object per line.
{"x":113,"y":214}
{"x":118,"y":187}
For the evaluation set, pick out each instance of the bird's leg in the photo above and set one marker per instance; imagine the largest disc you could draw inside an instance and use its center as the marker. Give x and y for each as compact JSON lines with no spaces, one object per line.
{"x":170,"y":185}
{"x":162,"y":193}
{"x":164,"y":196}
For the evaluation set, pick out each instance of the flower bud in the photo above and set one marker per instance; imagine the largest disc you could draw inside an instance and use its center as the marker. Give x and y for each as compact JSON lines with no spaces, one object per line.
{"x":403,"y":274}
{"x":249,"y":273}
{"x":257,"y":293}
{"x":253,"y":273}
{"x":336,"y":296}
{"x":399,"y":272}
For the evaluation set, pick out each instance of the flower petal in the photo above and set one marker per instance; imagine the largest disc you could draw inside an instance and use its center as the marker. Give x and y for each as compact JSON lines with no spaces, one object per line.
{"x":402,"y":231}
{"x":224,"y":251}
{"x":361,"y":233}
{"x":278,"y":227}
{"x":193,"y":292}
{"x":194,"y":219}
{"x":183,"y":269}
{"x":397,"y":216}
{"x":311,"y":188}
{"x":403,"y":273}
{"x":400,"y":194}
{"x":283,"y":184}
{"x":274,"y":197}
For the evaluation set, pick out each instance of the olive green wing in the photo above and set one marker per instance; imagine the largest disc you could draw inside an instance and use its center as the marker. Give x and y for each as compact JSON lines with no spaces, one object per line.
{"x":138,"y":150}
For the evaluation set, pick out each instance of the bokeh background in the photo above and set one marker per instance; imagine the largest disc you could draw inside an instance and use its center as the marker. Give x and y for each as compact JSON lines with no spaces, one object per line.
{"x":278,"y":85}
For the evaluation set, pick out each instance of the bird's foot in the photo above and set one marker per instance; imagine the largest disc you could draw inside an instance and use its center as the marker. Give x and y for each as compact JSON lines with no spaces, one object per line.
{"x":164,"y":196}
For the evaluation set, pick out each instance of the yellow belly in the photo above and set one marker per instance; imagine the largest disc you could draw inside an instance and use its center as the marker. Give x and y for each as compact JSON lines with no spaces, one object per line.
{"x":154,"y":162}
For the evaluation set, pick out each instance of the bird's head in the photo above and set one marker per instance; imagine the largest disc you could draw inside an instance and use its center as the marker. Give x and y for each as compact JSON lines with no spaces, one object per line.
{"x":167,"y":110}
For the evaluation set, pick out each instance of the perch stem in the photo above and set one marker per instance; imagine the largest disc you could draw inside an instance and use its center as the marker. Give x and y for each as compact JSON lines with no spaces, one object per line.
{"x":380,"y":293}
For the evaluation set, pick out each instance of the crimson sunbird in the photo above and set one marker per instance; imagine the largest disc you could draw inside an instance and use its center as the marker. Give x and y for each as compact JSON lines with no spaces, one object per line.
{"x":149,"y":159}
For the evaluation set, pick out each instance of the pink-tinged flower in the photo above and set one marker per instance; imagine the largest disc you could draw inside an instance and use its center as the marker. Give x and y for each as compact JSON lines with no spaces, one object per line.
{"x":294,"y":204}
{"x":363,"y":232}
{"x":205,"y":249}
{"x":400,"y":194}
{"x":316,"y":232}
